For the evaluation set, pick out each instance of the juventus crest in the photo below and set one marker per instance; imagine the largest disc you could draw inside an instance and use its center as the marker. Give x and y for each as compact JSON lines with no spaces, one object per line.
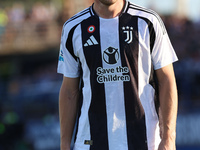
{"x":129,"y":34}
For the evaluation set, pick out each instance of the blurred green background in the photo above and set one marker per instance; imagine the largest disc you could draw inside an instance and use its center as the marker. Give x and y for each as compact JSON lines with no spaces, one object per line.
{"x":30,"y":33}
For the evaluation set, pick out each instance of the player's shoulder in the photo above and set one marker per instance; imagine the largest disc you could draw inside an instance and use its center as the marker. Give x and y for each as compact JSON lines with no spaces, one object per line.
{"x":134,"y":9}
{"x":77,"y":18}
{"x":145,"y":13}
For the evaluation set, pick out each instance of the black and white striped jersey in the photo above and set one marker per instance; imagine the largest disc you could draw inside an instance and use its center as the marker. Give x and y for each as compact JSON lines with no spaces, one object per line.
{"x":116,"y":59}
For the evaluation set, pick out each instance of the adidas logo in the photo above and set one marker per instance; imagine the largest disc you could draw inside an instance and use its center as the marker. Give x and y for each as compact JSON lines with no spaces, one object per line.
{"x":91,"y":41}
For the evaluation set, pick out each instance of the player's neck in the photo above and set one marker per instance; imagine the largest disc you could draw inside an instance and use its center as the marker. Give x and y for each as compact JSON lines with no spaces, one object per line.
{"x":108,"y":11}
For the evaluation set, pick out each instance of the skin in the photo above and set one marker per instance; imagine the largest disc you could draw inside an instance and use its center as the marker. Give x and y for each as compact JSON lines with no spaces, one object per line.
{"x":108,"y":8}
{"x":68,"y":102}
{"x":69,"y":92}
{"x":168,"y":107}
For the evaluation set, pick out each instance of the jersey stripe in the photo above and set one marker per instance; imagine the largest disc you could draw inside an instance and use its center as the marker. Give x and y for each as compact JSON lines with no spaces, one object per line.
{"x":135,"y":117}
{"x":151,"y":32}
{"x":69,"y":44}
{"x":114,"y":91}
{"x":97,"y":110}
{"x":145,"y":72}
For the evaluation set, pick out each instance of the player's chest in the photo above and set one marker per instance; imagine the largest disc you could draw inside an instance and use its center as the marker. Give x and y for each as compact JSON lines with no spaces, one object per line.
{"x":107,"y":37}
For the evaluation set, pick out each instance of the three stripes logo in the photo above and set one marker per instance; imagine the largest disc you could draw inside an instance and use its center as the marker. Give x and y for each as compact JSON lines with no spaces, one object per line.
{"x":91,"y":41}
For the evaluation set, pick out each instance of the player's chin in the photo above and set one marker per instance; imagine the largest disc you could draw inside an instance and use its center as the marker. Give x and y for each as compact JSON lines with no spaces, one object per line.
{"x":108,"y":2}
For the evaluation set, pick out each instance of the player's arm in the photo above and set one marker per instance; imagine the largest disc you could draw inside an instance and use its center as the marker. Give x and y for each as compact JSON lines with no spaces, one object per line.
{"x":68,"y":100}
{"x":168,"y":106}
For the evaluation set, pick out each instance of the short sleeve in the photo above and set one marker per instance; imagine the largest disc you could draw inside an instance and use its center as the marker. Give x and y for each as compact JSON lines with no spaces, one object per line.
{"x":68,"y":64}
{"x":163,"y":53}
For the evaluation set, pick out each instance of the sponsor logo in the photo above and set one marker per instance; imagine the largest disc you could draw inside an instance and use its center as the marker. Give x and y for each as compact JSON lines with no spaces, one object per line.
{"x":111,"y":55}
{"x":91,"y":41}
{"x":91,"y":29}
{"x":129,"y":34}
{"x":88,"y":142}
{"x":114,"y":74}
{"x":61,"y":58}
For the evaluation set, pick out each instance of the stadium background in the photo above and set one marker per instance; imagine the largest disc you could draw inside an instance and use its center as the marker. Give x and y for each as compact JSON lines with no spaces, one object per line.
{"x":29,"y":85}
